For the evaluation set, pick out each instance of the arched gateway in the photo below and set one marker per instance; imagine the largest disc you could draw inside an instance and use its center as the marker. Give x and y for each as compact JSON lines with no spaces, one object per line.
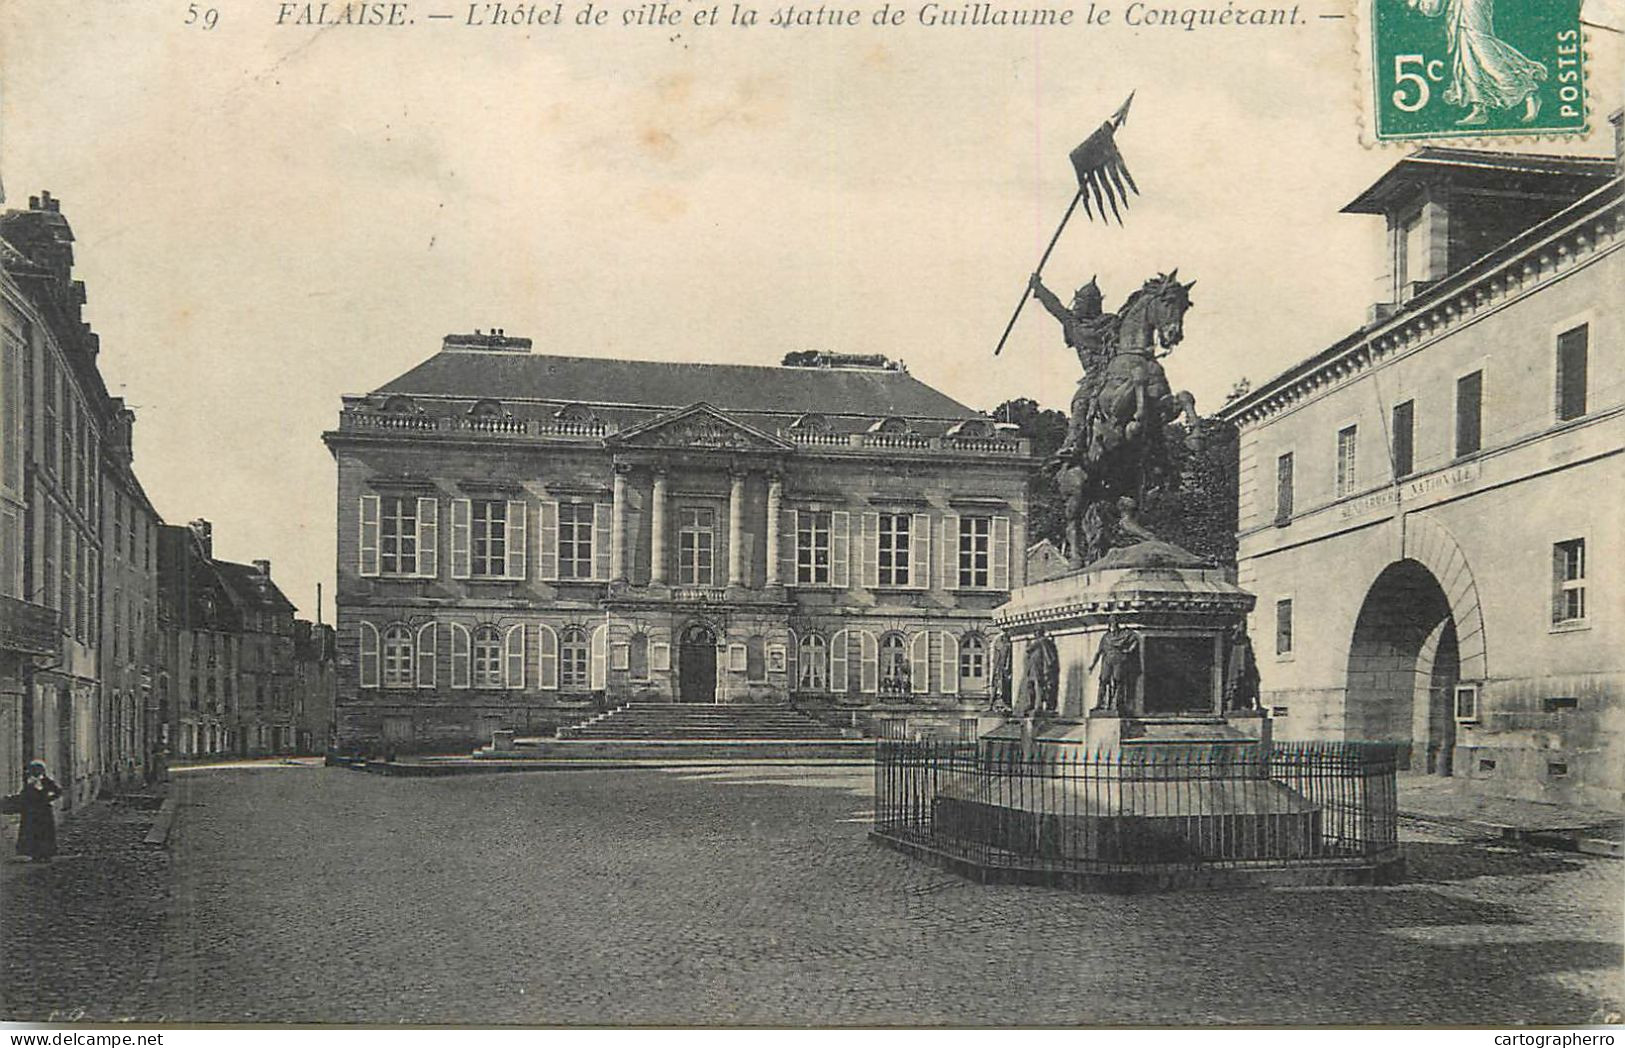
{"x":1419,"y":634}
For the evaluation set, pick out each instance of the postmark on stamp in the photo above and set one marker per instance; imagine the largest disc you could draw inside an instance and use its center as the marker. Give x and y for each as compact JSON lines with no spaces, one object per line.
{"x":1475,"y":68}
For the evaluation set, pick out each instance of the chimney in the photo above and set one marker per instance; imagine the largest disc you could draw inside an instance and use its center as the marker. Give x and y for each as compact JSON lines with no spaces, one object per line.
{"x":263,"y":567}
{"x":203,"y":531}
{"x":495,"y":340}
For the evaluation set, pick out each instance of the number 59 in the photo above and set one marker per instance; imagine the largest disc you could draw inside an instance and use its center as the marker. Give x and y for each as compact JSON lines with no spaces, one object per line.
{"x":209,"y":16}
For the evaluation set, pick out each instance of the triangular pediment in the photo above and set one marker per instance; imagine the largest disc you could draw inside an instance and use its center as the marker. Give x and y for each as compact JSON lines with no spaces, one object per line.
{"x":698,"y":426}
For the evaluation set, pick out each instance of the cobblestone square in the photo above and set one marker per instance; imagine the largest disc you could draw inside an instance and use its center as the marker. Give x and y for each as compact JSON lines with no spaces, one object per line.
{"x":742,"y":896}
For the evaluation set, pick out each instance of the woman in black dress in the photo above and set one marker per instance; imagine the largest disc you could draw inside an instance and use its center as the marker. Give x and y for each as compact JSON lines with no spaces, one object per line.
{"x":36,"y":834}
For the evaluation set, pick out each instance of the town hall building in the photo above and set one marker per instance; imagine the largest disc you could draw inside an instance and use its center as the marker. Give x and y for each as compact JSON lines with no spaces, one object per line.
{"x":524,"y":538}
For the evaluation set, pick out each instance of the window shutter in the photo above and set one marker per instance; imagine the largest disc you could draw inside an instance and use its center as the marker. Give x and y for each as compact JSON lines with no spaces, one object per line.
{"x":837,"y":662}
{"x":547,"y":543}
{"x":547,"y":658}
{"x":919,"y":662}
{"x":459,"y":655}
{"x":660,"y":657}
{"x":426,"y":655}
{"x":789,"y":530}
{"x":871,"y":551}
{"x":598,"y":667}
{"x":869,"y":664}
{"x":950,"y":663}
{"x":513,"y":650}
{"x":601,"y":514}
{"x":514,"y":544}
{"x":840,"y":549}
{"x":792,"y":662}
{"x":919,"y":568}
{"x":369,"y":535}
{"x":428,"y":537}
{"x":461,"y":512}
{"x":949,"y":554}
{"x":369,"y":654}
{"x":1000,"y":540}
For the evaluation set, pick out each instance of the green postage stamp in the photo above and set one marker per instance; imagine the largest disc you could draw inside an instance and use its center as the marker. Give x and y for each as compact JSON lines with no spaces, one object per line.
{"x":1471,"y":68}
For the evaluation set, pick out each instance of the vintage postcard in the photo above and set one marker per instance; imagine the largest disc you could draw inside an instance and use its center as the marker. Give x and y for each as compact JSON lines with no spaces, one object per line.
{"x":878,"y":513}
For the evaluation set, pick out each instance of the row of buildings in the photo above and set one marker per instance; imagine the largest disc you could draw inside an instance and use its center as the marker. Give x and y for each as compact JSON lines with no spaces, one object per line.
{"x":120,"y":636}
{"x":1428,"y":511}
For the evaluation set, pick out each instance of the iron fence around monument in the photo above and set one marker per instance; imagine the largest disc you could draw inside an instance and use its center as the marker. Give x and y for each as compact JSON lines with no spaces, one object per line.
{"x":993,"y":806}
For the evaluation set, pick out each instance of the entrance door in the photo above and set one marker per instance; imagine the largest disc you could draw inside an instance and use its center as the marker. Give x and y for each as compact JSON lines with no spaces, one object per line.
{"x":697,"y":664}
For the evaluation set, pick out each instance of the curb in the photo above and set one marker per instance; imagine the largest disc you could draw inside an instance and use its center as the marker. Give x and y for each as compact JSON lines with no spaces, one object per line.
{"x":1584,"y":838}
{"x":162,"y":825}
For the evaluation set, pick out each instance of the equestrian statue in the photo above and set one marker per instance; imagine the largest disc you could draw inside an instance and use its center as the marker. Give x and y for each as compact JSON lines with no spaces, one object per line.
{"x":1116,"y":447}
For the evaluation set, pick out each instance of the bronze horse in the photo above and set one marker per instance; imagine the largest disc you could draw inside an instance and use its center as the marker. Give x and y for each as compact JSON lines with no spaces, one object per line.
{"x":1129,"y":406}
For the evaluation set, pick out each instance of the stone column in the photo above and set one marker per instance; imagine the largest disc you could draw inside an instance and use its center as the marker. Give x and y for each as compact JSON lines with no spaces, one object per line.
{"x":617,"y":529}
{"x":775,"y":496}
{"x":736,"y":529}
{"x":657,"y":531}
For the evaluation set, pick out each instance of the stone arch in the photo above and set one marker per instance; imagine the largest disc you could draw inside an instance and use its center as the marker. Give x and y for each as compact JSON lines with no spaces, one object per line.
{"x":1431,"y":545}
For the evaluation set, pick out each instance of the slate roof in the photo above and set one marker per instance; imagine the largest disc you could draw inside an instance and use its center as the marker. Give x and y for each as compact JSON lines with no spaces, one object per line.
{"x":743,"y":388}
{"x":251,"y":588}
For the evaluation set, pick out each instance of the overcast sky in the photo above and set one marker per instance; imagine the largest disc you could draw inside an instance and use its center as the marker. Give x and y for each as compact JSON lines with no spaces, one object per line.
{"x":270,"y":217}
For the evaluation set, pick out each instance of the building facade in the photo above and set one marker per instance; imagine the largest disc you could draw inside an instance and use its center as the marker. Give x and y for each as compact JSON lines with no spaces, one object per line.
{"x":1430,"y":508}
{"x":129,"y":619}
{"x":57,"y":414}
{"x":238,"y":674}
{"x":525,"y":537}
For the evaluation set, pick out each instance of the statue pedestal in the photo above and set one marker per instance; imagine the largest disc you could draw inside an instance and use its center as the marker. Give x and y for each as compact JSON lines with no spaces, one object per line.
{"x":1135,"y":759}
{"x":1180,"y":613}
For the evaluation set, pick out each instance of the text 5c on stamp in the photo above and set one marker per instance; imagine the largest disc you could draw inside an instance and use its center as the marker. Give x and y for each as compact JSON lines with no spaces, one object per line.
{"x":1471,"y":68}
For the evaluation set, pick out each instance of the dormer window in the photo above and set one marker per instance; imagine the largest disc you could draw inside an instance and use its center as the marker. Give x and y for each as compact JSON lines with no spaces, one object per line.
{"x":811,"y":423}
{"x":894,"y":426}
{"x":487,"y":409}
{"x":400,"y":406}
{"x":575,"y":413}
{"x":972,"y":427}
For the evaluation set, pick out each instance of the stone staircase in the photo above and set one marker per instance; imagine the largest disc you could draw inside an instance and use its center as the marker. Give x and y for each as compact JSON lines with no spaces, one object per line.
{"x":670,"y":721}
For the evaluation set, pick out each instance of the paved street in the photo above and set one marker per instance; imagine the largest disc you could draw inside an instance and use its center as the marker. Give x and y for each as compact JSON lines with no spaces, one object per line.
{"x":751,"y":896}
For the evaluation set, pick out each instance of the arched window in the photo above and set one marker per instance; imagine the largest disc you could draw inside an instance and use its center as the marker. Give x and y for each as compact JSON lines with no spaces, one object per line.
{"x":813,"y":659}
{"x":487,"y":657}
{"x":397,"y":660}
{"x":894,"y":675}
{"x":755,"y":658}
{"x":972,"y":662}
{"x":573,"y":658}
{"x":637,"y":656}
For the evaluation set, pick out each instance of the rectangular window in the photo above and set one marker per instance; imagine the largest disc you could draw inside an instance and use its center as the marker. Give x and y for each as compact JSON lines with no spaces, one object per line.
{"x":1404,"y":439}
{"x":575,"y":540}
{"x":975,"y":552}
{"x":1571,"y":372}
{"x":895,"y":549}
{"x":813,"y":548}
{"x":50,"y":410}
{"x":1469,"y":413}
{"x":490,"y":538}
{"x":11,"y":414}
{"x":398,"y":535}
{"x":1348,"y":450}
{"x":696,"y":547}
{"x":1467,"y":702}
{"x":1283,"y":488}
{"x":1283,"y":627}
{"x":1569,"y":581}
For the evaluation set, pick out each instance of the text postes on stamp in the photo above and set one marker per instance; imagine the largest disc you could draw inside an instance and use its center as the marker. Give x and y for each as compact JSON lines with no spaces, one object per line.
{"x":1471,"y":68}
